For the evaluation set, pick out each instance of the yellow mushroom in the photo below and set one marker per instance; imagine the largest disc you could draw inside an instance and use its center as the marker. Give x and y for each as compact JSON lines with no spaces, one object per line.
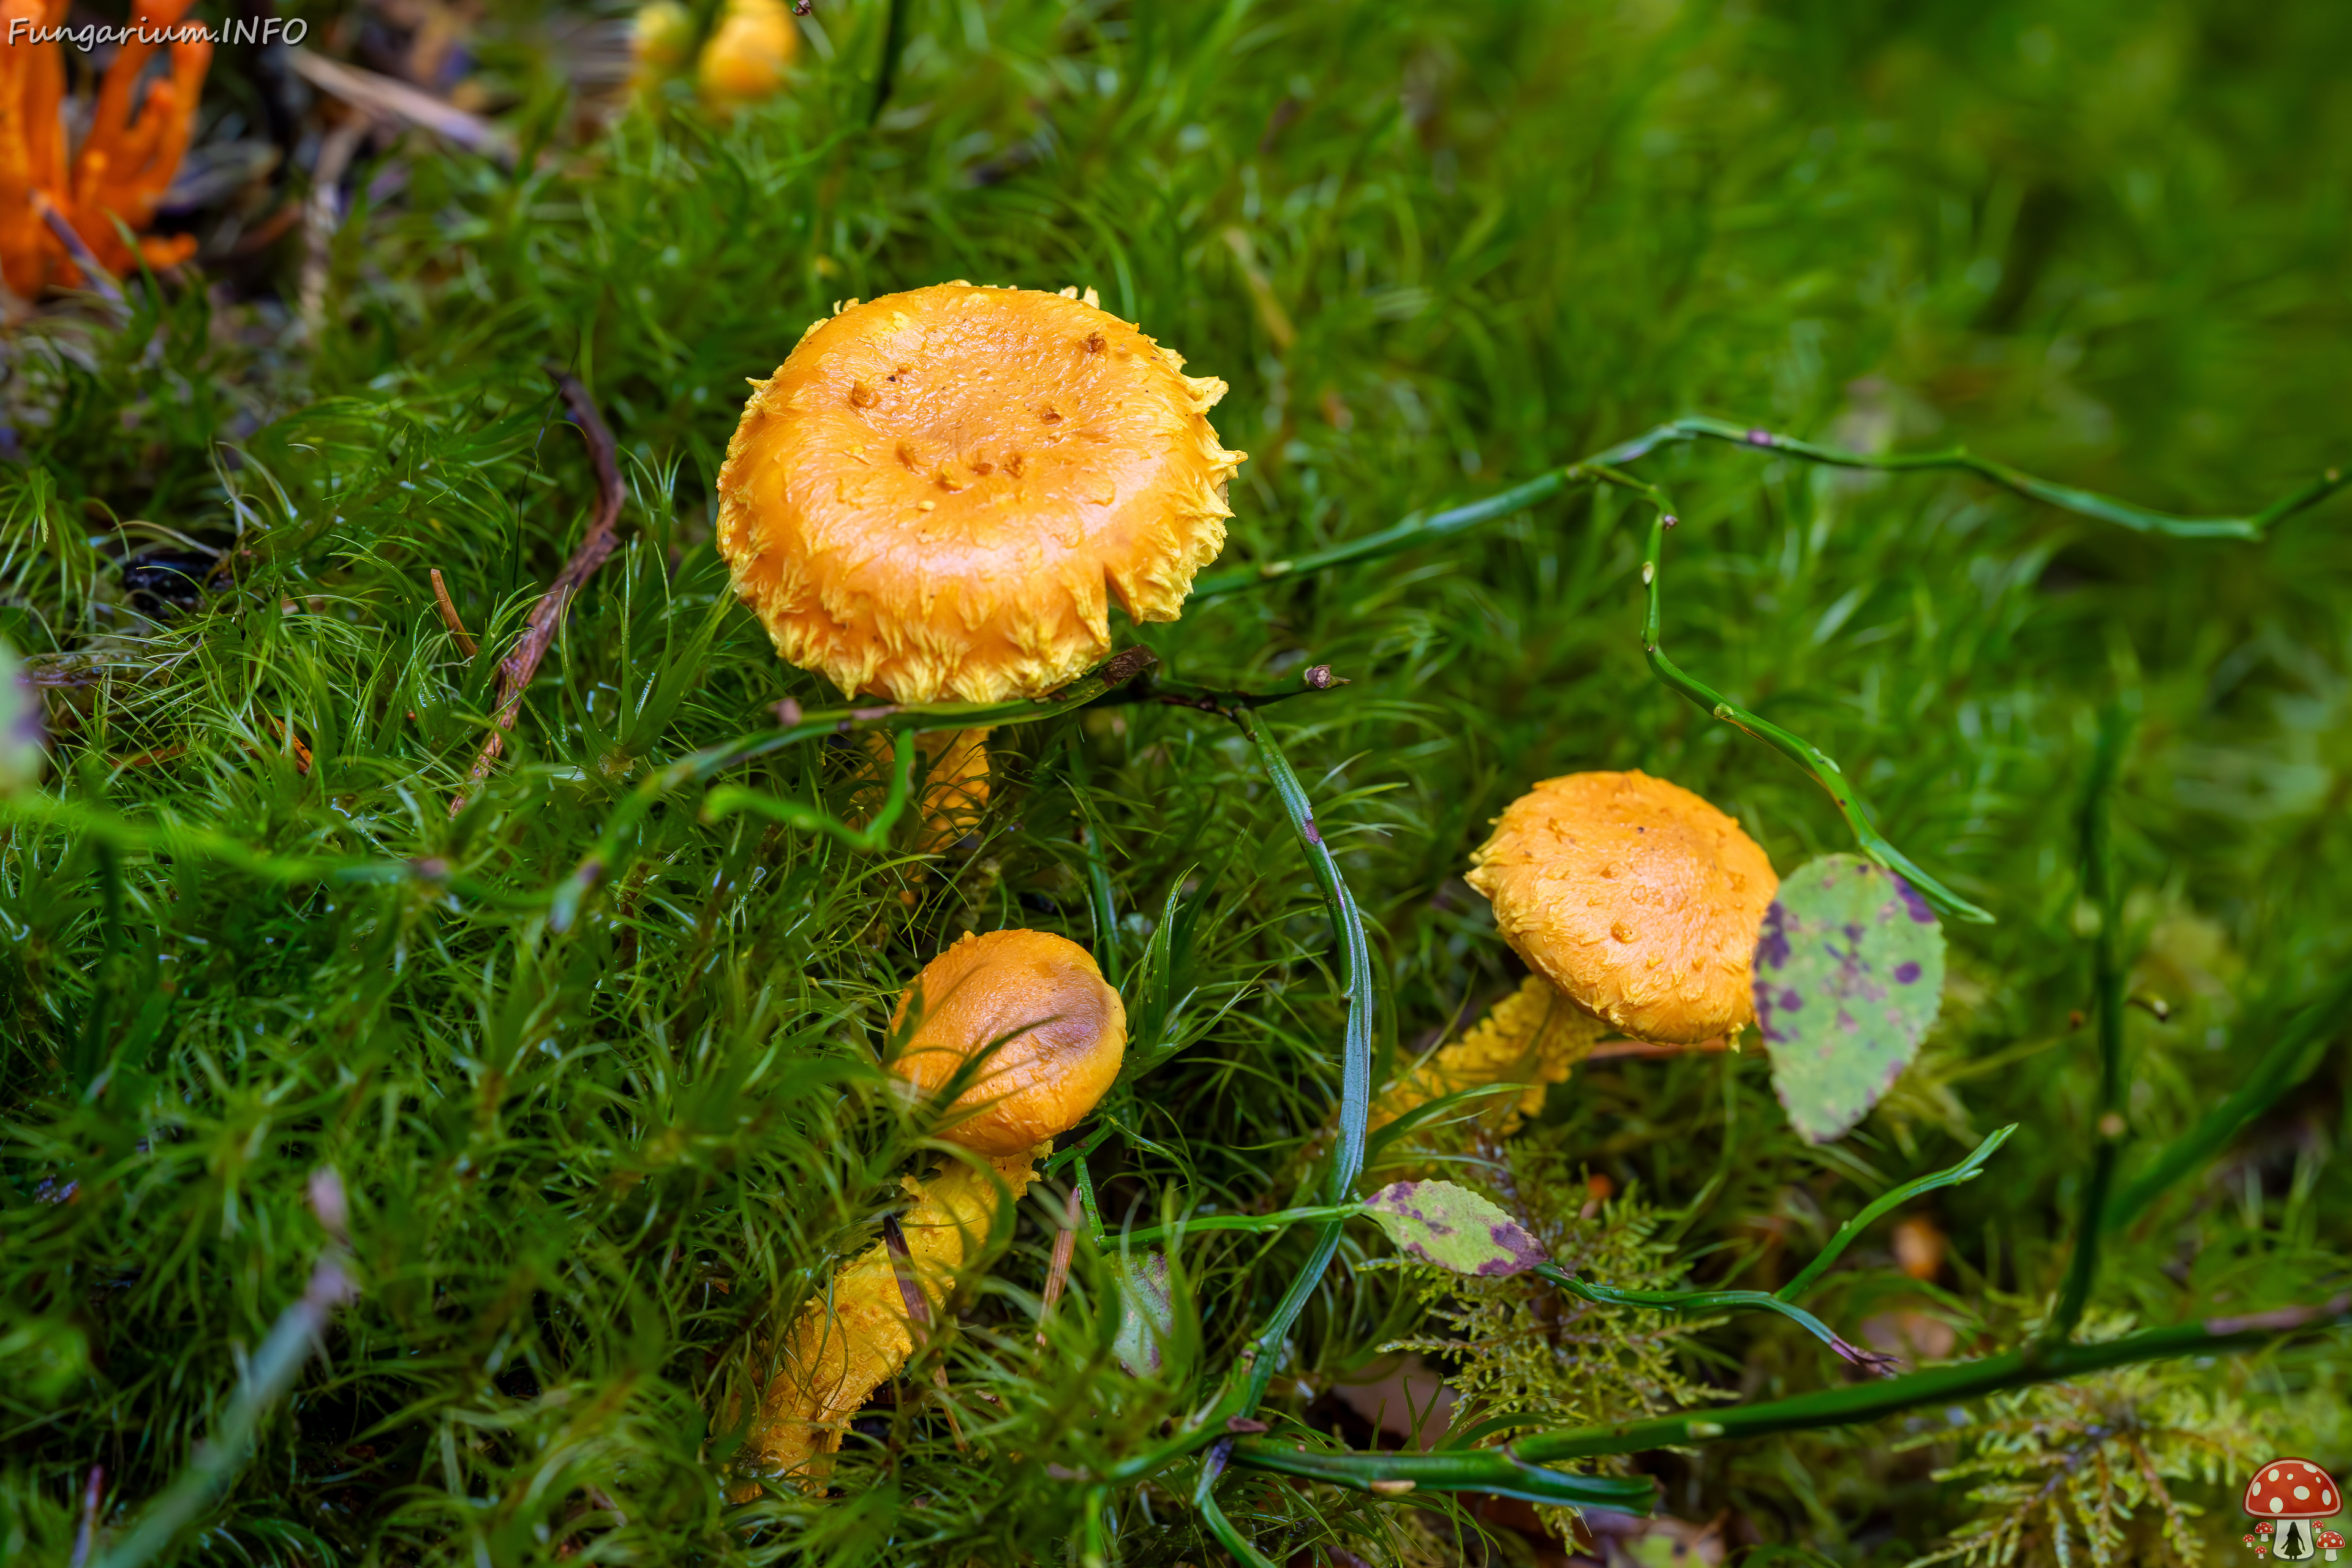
{"x":661,"y":39}
{"x":940,"y":493}
{"x":954,"y":768}
{"x":1047,"y":1035}
{"x":1533,"y":1036}
{"x":1640,"y":900}
{"x":1636,"y":904}
{"x":747,"y":54}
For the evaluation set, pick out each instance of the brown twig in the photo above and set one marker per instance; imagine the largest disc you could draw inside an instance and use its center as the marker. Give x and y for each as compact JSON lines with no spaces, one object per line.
{"x":287,"y":739}
{"x":387,"y":98}
{"x":322,"y":214}
{"x":1607,"y":1049}
{"x":448,"y":608}
{"x":1058,"y":1273}
{"x":87,"y":1536}
{"x":515,"y":670}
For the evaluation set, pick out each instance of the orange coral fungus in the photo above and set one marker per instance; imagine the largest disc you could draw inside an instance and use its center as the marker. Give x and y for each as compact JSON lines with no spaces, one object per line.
{"x":123,"y":165}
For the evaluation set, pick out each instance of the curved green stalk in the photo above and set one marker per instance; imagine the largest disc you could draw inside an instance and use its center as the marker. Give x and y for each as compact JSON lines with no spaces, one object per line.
{"x":1716,"y":1300}
{"x":1852,"y":1404}
{"x":2108,"y":978}
{"x":1823,"y":767}
{"x":122,"y":833}
{"x":1856,"y":1402}
{"x":729,"y":799}
{"x":1355,"y":1057}
{"x":1264,"y":1354}
{"x":1204,"y":1503}
{"x":1498,"y":1470}
{"x":1281,"y":1219}
{"x":2067,"y":498}
{"x":1967,"y":1170}
{"x":2290,"y":1057}
{"x":1599,"y":469}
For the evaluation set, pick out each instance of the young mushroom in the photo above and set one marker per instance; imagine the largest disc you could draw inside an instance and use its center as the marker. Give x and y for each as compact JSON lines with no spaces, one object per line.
{"x":953,"y":766}
{"x":1636,"y":903}
{"x":1534,"y":1036}
{"x":938,"y":493}
{"x":746,"y":57}
{"x":1638,"y":899}
{"x":1024,"y":1022}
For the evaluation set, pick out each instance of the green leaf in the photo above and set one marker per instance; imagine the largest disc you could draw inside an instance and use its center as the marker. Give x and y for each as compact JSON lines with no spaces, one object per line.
{"x":20,"y":726}
{"x":1147,"y":1313}
{"x":1849,"y":974}
{"x":1453,"y":1227}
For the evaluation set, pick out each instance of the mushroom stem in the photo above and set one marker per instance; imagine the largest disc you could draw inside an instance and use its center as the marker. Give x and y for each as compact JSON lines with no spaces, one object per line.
{"x":955,"y":783}
{"x":847,"y":1345}
{"x":1533,"y":1036}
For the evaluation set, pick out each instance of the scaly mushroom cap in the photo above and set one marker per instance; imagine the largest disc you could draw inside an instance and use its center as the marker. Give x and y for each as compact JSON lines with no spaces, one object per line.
{"x":1052,"y":1030}
{"x":2292,"y":1488}
{"x":940,"y":493}
{"x":1637,"y":899}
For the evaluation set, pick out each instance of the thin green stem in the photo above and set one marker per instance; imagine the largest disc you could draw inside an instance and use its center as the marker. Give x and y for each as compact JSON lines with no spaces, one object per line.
{"x":1355,"y":1056}
{"x":1415,"y":530}
{"x":729,"y":799}
{"x":1714,"y":1301}
{"x":217,"y":1459}
{"x":1418,"y":530}
{"x":1280,"y":1220}
{"x":124,"y":834}
{"x":1887,"y":1202}
{"x":1823,"y":767}
{"x":1498,"y":1470}
{"x":1855,"y":1404}
{"x":1263,"y":1355}
{"x":2108,"y":979}
{"x":2067,"y":498}
{"x":1204,"y":1502}
{"x":2293,"y":1054}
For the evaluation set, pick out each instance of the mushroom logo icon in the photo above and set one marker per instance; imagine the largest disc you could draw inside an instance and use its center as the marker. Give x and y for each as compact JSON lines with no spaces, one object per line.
{"x":2288,"y":1495}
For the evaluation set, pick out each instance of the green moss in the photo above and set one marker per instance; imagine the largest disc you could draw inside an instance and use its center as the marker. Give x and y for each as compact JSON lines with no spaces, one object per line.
{"x":1436,"y":250}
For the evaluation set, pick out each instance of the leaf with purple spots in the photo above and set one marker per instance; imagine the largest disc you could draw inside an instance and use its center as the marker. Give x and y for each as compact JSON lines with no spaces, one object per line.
{"x":1147,"y":1313}
{"x":1453,"y":1227}
{"x":1848,"y":976}
{"x":21,"y":753}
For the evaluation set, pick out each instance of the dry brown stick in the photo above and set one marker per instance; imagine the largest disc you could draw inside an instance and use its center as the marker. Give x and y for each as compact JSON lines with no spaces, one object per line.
{"x":1607,"y":1049}
{"x":448,"y":607}
{"x":1058,"y":1273}
{"x":515,"y":670}
{"x":322,"y":214}
{"x":387,"y":98}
